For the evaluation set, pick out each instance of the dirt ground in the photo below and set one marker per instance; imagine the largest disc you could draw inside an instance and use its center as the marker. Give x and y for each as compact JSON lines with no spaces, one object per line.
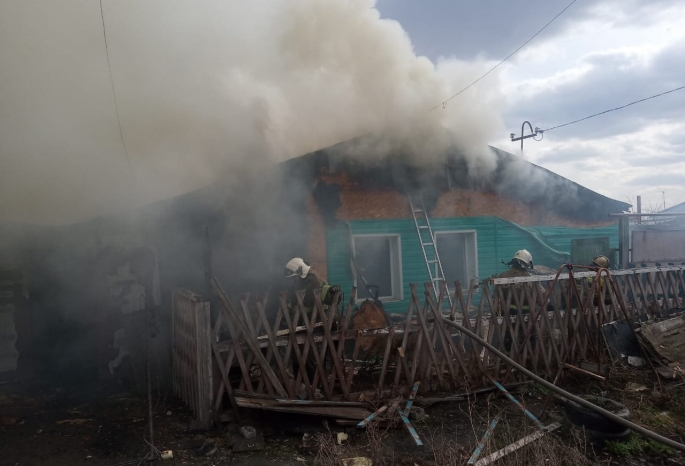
{"x":106,"y":424}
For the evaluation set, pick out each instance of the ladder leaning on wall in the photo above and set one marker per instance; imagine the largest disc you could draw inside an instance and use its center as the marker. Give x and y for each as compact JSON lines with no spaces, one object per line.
{"x":426,"y":237}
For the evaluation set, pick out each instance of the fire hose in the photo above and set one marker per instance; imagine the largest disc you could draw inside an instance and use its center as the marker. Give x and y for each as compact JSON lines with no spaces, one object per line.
{"x":609,"y":415}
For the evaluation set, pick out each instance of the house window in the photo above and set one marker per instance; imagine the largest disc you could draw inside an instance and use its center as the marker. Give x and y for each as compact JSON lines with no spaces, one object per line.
{"x":379,"y":260}
{"x":458,"y":256}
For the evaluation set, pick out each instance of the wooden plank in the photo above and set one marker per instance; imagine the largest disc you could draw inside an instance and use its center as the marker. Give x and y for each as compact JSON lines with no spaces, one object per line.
{"x":484,"y":440}
{"x":422,"y":321}
{"x":372,"y":416}
{"x":403,"y":347}
{"x":386,"y":358}
{"x":355,"y":354}
{"x":342,"y":412}
{"x":516,"y":445}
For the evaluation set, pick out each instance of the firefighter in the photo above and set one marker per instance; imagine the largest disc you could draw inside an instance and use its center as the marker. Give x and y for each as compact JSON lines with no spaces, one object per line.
{"x":599,"y":262}
{"x":521,"y":265}
{"x":307,"y":279}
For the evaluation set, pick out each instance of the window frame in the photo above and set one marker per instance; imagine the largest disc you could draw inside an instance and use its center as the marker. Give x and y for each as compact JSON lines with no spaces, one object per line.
{"x":470,"y":273}
{"x":396,"y":282}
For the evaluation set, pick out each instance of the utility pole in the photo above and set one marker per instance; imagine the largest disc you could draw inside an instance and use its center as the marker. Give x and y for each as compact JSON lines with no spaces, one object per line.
{"x":532,"y":134}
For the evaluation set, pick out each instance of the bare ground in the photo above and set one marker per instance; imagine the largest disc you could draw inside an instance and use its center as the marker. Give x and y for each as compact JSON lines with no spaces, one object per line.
{"x":106,"y":425}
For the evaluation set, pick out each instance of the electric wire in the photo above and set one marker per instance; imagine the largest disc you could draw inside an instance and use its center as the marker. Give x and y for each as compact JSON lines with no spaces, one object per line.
{"x":114,"y":94}
{"x":444,"y":102}
{"x":613,"y":109}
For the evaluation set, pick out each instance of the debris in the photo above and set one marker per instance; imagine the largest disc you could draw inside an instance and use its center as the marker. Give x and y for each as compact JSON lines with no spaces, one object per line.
{"x":636,"y":361}
{"x":308,"y":443}
{"x":620,"y":340}
{"x":168,"y":413}
{"x":74,"y":422}
{"x":583,"y":371}
{"x":316,"y":408}
{"x":196,"y":426}
{"x":167,"y":455}
{"x":667,"y":337}
{"x":670,"y":372}
{"x":342,"y":437}
{"x":248,"y":432}
{"x":483,"y":441}
{"x":241,"y":445}
{"x":636,"y":387}
{"x":300,"y":459}
{"x":208,"y":449}
{"x":416,"y":413}
{"x":516,"y":445}
{"x":358,"y":461}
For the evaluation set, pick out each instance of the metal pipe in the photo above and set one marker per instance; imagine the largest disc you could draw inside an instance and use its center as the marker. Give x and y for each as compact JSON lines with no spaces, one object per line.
{"x":646,"y":214}
{"x":619,"y":420}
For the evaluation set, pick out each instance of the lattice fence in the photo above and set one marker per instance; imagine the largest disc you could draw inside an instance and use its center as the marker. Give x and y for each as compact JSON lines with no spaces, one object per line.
{"x":316,"y":355}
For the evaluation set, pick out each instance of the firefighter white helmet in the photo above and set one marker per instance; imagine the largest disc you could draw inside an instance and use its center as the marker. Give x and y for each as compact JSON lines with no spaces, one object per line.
{"x":296,"y":267}
{"x":601,"y":261}
{"x":524,"y":258}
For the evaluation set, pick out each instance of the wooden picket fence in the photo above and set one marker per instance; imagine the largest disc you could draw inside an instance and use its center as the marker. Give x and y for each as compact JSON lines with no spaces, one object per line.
{"x":316,"y":355}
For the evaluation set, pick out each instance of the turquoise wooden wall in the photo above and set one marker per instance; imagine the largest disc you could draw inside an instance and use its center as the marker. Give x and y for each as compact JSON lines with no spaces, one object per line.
{"x":497,"y":240}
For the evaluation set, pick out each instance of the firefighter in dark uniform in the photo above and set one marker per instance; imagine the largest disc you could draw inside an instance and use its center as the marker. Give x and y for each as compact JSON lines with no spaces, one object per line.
{"x":307,"y":279}
{"x":521,"y":265}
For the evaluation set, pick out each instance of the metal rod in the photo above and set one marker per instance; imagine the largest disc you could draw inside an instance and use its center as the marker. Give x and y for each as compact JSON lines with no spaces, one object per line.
{"x":645,"y":214}
{"x":611,"y":416}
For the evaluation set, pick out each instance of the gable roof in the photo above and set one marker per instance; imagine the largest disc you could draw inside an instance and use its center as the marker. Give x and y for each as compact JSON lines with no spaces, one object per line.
{"x":678,"y":208}
{"x":511,"y":177}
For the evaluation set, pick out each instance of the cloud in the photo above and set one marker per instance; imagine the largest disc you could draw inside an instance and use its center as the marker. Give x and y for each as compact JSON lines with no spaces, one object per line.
{"x":664,"y":179}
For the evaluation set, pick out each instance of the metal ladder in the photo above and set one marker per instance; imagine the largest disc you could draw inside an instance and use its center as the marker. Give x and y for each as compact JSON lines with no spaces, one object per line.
{"x":428,"y":246}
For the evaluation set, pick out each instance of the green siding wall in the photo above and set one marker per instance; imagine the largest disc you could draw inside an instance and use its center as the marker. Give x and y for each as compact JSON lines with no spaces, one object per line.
{"x":497,"y":240}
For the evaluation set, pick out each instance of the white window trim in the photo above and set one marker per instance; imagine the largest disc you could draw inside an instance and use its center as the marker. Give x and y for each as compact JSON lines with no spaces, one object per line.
{"x":395,"y":282}
{"x":464,"y":286}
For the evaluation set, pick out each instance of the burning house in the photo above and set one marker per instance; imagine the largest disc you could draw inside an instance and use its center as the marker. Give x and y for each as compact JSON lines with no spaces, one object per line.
{"x":349,"y":216}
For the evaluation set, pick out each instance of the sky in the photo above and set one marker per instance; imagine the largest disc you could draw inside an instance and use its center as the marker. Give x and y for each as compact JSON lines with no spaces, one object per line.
{"x":596,"y":56}
{"x":211,"y":90}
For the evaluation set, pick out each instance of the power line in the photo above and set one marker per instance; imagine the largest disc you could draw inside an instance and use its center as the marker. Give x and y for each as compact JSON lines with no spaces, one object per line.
{"x":114,"y":94}
{"x":613,"y":109}
{"x":444,"y":103}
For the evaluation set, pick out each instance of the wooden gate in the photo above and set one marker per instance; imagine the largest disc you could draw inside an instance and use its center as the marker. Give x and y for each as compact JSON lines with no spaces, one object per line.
{"x":192,"y":355}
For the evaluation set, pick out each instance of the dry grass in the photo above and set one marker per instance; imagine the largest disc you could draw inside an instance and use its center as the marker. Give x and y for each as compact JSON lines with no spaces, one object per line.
{"x":445,"y":447}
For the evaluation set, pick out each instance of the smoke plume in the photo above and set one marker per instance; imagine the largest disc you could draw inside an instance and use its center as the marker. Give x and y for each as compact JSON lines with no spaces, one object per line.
{"x":209,"y":89}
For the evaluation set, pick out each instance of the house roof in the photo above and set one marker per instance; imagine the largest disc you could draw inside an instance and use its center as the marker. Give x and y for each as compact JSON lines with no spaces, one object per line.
{"x":512,"y":177}
{"x":678,"y":208}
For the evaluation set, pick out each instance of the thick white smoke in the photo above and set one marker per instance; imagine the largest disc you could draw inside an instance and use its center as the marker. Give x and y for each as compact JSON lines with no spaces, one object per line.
{"x":208,"y":89}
